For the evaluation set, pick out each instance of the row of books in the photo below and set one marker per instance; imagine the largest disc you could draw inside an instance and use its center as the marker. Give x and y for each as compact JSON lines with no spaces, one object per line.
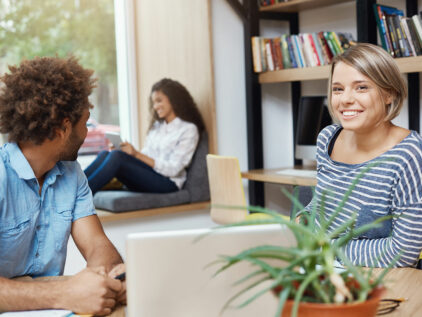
{"x":400,"y":36}
{"x":264,"y":3}
{"x":298,"y":51}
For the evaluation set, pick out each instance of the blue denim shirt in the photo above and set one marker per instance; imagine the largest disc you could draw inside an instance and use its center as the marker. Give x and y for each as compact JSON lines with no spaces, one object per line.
{"x":34,"y":228}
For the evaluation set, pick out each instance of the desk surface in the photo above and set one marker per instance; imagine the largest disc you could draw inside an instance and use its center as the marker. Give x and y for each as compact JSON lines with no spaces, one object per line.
{"x":400,"y":282}
{"x":406,"y":283}
{"x":271,"y":176}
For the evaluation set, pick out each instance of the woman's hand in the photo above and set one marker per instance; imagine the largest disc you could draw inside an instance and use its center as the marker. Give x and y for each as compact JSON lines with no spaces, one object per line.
{"x":128,"y":148}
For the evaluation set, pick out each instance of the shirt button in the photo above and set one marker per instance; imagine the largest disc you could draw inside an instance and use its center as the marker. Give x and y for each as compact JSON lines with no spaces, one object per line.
{"x":37,"y":255}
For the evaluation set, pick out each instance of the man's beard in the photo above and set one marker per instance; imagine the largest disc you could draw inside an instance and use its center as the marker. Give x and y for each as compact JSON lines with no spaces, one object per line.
{"x":70,"y":153}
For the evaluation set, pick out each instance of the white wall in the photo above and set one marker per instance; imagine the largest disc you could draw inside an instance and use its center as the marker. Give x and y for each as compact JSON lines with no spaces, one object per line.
{"x":118,"y":230}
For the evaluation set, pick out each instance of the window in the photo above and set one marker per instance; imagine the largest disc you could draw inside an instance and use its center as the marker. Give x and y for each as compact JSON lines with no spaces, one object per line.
{"x":83,"y":28}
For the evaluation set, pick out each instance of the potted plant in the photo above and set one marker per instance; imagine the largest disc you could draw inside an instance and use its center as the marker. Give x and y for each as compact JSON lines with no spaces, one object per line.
{"x":304,"y":277}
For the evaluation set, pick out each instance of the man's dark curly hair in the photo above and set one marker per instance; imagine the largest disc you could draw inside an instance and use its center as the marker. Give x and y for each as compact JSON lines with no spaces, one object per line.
{"x":181,"y":100}
{"x":39,"y":94}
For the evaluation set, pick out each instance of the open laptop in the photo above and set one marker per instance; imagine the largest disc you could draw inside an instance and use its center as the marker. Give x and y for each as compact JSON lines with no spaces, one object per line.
{"x":167,"y":273}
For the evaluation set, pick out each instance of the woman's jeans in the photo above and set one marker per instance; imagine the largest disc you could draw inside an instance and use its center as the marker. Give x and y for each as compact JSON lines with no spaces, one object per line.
{"x":135,"y":174}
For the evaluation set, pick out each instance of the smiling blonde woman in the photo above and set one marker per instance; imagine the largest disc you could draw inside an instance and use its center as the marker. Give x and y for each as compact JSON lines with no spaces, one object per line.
{"x":365,"y":92}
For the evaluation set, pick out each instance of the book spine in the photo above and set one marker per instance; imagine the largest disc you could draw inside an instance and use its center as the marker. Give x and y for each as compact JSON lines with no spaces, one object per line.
{"x":418,"y":26}
{"x":269,"y":55}
{"x":306,"y":49}
{"x":337,"y":42}
{"x":403,"y":48}
{"x":330,"y":44}
{"x":263,"y":55}
{"x":393,"y":36}
{"x":386,"y":32}
{"x":293,"y":59}
{"x":325,"y":47}
{"x":407,"y":37}
{"x":318,"y":48}
{"x":279,"y":52}
{"x":314,"y":50}
{"x":285,"y":52}
{"x":414,"y":36}
{"x":380,"y":28}
{"x":298,"y":53}
{"x":256,"y":53}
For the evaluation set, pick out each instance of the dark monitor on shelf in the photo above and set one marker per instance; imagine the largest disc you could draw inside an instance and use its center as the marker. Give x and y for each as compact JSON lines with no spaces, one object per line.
{"x":313,"y":116}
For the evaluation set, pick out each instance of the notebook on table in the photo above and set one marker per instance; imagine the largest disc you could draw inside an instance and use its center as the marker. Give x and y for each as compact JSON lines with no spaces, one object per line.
{"x":167,"y":273}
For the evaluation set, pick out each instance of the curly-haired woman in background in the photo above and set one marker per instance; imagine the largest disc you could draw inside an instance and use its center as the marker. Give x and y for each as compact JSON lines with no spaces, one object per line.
{"x":160,"y":167}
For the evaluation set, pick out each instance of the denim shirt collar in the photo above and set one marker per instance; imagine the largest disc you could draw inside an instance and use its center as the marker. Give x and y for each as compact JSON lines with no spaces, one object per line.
{"x":22,"y":168}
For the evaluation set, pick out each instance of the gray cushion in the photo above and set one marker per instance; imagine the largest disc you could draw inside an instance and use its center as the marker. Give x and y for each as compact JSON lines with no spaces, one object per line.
{"x":123,"y":200}
{"x":197,"y":176}
{"x":195,"y":189}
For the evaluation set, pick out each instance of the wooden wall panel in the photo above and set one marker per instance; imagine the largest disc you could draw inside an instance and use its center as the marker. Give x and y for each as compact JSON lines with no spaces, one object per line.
{"x":174,"y":40}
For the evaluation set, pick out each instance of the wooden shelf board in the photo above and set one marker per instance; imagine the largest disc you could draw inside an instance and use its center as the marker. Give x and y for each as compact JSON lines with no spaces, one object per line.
{"x":107,"y":216}
{"x":406,"y":65}
{"x":295,"y":74}
{"x":410,"y":64}
{"x":300,"y":5}
{"x":271,"y":176}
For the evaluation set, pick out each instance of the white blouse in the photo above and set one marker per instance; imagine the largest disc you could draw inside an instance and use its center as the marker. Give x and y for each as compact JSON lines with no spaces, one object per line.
{"x":172,"y":145}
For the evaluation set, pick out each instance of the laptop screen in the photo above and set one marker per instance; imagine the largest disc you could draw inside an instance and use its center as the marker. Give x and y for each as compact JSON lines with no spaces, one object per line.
{"x":169,"y":274}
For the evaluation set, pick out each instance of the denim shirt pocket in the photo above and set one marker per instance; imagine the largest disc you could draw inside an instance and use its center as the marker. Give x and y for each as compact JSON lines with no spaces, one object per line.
{"x":15,"y":243}
{"x":366,"y":216}
{"x":62,"y":224}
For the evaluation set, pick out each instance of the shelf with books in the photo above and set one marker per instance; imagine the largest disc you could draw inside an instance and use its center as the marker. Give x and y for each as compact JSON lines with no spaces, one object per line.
{"x":406,"y":65}
{"x":299,"y":5}
{"x":366,"y":31}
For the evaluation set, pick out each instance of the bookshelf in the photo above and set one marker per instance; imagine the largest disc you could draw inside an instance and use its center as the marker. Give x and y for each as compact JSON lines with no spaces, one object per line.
{"x":406,"y":65}
{"x":251,"y":15}
{"x":300,"y":5}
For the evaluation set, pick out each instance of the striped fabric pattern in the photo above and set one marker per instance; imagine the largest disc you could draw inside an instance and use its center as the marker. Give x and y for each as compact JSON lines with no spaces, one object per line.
{"x":392,"y":186}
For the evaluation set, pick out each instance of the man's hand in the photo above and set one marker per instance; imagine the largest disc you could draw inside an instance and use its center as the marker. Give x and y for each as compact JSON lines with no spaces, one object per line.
{"x":119,"y":269}
{"x":91,"y":291}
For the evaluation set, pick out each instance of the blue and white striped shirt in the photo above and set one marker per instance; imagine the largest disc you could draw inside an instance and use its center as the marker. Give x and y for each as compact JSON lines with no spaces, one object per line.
{"x":393,"y":186}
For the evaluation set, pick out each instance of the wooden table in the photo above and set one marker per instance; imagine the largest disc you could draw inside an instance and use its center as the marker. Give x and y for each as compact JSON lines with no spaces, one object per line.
{"x":400,"y":283}
{"x":406,"y":283}
{"x":272,"y":176}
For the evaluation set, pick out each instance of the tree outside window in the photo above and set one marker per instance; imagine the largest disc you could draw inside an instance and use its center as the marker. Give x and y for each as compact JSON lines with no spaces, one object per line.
{"x":83,"y":28}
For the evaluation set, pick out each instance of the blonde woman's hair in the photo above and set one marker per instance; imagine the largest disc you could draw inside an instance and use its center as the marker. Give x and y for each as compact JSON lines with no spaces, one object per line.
{"x":376,"y":64}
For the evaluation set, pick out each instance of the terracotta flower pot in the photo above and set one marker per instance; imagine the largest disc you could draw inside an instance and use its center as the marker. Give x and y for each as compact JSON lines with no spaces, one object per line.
{"x":367,"y":308}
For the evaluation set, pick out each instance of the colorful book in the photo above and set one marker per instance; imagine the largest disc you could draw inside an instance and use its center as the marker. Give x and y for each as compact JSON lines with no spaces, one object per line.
{"x":418,"y":26}
{"x":393,"y":36}
{"x":269,"y":55}
{"x":414,"y":35}
{"x":407,"y":37}
{"x":297,"y":50}
{"x":276,"y":44}
{"x":293,"y":58}
{"x":256,"y":54}
{"x":307,"y":50}
{"x":285,"y":52}
{"x":400,"y":36}
{"x":330,"y":44}
{"x":325,"y":48}
{"x":263,"y":55}
{"x":318,"y":48}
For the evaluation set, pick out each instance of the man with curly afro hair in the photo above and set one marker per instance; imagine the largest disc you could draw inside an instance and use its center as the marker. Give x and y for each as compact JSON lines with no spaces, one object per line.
{"x":44,"y":195}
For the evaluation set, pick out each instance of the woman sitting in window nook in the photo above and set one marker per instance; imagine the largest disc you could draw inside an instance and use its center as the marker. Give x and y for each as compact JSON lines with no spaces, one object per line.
{"x":160,"y":167}
{"x":366,"y":91}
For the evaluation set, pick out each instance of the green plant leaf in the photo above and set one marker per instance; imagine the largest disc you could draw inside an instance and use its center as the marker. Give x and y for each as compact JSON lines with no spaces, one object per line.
{"x":284,"y":294}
